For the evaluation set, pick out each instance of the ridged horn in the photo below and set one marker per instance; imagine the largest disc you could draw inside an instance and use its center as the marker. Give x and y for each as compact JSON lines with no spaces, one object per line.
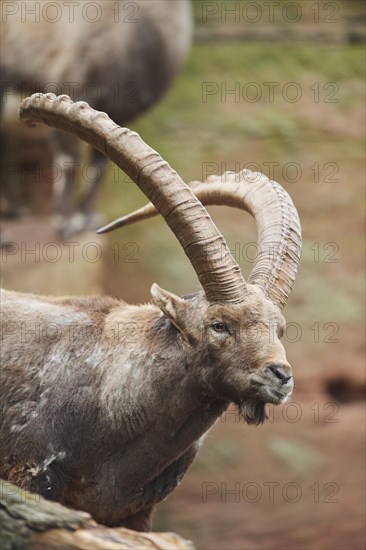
{"x":190,"y":222}
{"x":279,"y":231}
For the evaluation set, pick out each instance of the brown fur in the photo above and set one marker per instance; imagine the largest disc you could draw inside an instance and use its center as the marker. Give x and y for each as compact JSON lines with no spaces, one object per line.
{"x":104,"y":404}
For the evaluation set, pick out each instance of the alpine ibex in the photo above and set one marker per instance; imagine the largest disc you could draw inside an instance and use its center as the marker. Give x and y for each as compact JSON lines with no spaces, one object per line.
{"x":119,"y":56}
{"x":106,"y":420}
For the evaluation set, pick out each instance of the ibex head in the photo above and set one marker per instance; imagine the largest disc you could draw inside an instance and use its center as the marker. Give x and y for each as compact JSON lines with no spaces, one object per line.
{"x":246,"y":362}
{"x":232,"y":328}
{"x":238,"y":353}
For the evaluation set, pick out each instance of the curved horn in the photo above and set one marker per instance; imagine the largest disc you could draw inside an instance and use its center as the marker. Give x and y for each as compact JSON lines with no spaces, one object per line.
{"x":279,"y":231}
{"x":190,"y":222}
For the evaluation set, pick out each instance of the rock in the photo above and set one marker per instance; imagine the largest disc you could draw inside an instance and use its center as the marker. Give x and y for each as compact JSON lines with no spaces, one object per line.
{"x":27,"y":521}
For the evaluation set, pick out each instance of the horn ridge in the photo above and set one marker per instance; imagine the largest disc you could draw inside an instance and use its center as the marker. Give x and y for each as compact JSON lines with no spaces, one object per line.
{"x":217,"y":271}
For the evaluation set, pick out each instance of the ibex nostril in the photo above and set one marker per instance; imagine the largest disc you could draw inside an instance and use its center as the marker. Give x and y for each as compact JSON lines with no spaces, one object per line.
{"x":280,"y":372}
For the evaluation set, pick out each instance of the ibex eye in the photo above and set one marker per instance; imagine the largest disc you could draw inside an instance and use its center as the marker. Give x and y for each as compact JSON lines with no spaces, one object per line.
{"x":219,"y":327}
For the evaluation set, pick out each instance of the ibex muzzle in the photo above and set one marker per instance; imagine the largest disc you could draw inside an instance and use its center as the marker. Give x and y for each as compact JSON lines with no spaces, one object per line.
{"x":110,"y":424}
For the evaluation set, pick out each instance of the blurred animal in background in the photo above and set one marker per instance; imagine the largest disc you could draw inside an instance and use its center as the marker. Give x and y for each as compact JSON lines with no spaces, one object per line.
{"x":119,"y":56}
{"x":106,"y":412}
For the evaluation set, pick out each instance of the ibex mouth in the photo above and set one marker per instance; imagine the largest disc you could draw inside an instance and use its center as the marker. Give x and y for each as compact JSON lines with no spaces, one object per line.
{"x":278,"y":397}
{"x":270,"y":391}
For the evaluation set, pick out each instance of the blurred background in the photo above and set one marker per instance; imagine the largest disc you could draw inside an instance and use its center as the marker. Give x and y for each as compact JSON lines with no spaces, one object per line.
{"x":276,"y":87}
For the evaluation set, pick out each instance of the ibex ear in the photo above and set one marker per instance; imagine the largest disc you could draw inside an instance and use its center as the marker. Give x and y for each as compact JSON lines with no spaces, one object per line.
{"x":171,"y":305}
